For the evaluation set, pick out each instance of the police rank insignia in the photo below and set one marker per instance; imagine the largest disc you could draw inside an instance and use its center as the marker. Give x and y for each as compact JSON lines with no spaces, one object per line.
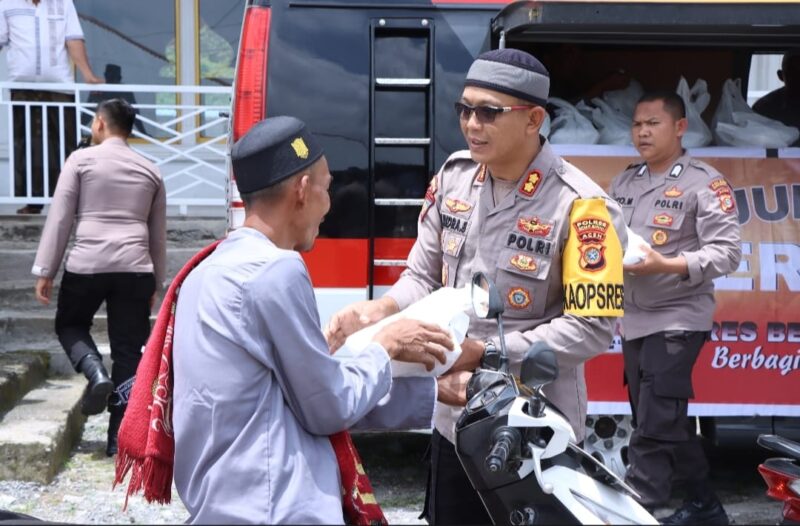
{"x":457,"y":205}
{"x":663,"y":220}
{"x":519,"y":298}
{"x":591,"y":233}
{"x":524,"y":263}
{"x":530,"y":183}
{"x":430,"y":198}
{"x":659,"y":237}
{"x":534,"y":226}
{"x":481,"y":174}
{"x":676,"y":171}
{"x":300,"y":148}
{"x":445,"y":274}
{"x":673,"y":192}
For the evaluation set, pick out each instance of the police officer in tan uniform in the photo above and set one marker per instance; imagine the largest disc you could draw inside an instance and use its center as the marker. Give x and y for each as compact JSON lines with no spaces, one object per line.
{"x":549,"y":238}
{"x":685,"y":210}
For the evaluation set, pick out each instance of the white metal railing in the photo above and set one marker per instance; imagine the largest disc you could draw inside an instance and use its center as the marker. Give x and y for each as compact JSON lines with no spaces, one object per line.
{"x":181,"y":129}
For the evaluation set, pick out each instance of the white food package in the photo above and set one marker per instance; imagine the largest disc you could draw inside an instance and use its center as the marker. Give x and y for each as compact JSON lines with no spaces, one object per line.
{"x":696,"y":100}
{"x":614,"y":126}
{"x":445,"y":307}
{"x":736,"y":124}
{"x":634,"y":253}
{"x":570,"y":126}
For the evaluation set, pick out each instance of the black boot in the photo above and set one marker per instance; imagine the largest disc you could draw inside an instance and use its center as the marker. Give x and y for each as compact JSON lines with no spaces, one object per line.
{"x":699,"y":512}
{"x":113,"y":429}
{"x":100,"y":385}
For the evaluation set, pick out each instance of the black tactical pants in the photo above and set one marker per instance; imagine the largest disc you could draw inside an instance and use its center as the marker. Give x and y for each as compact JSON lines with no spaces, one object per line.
{"x":127,"y":296}
{"x":450,"y":498}
{"x":664,"y":446}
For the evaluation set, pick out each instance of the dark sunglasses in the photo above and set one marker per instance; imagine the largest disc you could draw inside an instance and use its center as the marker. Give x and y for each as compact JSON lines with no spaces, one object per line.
{"x":485,"y":114}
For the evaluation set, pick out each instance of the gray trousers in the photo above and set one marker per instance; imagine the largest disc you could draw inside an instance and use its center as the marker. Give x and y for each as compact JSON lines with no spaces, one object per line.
{"x":664,"y":446}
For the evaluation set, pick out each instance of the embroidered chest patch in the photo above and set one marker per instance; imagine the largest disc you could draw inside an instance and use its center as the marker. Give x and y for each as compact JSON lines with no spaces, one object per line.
{"x":457,"y":205}
{"x":519,"y":298}
{"x":524,"y":263}
{"x":663,"y":220}
{"x":534,"y":226}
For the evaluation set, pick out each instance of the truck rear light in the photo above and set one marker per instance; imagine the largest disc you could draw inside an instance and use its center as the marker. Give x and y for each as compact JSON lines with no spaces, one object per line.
{"x":782,"y":487}
{"x":250,"y":95}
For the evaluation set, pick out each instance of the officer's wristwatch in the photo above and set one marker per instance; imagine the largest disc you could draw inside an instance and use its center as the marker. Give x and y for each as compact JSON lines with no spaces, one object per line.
{"x":491,"y":356}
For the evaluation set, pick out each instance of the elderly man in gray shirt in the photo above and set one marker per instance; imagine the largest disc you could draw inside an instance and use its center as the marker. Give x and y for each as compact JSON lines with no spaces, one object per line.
{"x":256,"y":390}
{"x":116,"y":200}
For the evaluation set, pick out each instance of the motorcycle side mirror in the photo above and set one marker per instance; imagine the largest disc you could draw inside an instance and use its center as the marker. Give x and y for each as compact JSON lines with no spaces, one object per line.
{"x":539,"y":367}
{"x":486,"y":301}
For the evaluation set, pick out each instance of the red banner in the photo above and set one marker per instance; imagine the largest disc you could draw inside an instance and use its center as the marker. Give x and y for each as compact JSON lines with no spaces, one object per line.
{"x":751,"y":366}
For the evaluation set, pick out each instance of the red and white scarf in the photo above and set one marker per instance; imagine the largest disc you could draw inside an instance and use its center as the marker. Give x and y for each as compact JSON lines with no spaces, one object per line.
{"x":147,"y":442}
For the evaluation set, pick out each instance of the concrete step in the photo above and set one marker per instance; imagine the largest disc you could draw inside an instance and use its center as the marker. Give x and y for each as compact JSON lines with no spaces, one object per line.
{"x":19,"y":373}
{"x":16,"y":263}
{"x":18,"y":295}
{"x":25,"y":330}
{"x":37,"y":435}
{"x":180,"y":230}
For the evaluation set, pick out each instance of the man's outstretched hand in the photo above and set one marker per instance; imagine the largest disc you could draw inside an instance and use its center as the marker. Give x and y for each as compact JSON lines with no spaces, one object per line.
{"x":415,"y":341}
{"x":355,"y":317}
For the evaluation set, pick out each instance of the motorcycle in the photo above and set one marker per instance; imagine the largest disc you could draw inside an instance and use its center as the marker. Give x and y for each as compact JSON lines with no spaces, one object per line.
{"x":782,"y":475}
{"x":534,"y":472}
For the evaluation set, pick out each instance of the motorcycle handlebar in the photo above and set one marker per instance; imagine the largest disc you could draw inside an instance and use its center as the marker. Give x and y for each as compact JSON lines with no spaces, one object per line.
{"x":505,"y":438}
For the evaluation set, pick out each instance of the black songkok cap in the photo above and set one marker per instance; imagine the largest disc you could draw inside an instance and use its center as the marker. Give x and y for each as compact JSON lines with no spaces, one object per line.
{"x":271,"y":151}
{"x":513,"y":72}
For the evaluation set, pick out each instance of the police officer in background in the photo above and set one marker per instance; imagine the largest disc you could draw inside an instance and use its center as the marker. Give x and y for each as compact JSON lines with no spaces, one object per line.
{"x":549,"y":238}
{"x":685,"y":210}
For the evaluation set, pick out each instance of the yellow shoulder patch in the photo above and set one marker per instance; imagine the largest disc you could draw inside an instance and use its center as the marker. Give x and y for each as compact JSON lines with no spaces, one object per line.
{"x":592,"y":262}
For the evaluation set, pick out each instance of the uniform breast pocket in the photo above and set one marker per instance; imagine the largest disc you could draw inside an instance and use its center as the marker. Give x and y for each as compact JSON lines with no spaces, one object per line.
{"x":523,"y":281}
{"x":665,"y":231}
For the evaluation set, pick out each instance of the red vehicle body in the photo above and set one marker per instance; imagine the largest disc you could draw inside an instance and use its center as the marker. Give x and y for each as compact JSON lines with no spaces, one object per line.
{"x":376,"y":81}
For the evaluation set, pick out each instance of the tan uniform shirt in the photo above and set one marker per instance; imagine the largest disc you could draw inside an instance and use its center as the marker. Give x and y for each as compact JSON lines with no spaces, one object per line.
{"x":118,"y":200}
{"x":519,"y":244}
{"x":688,"y":210}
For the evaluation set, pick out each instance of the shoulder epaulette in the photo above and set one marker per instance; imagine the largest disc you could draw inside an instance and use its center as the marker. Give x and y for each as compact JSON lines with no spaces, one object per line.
{"x":580,"y":183}
{"x":709,"y":170}
{"x":459,"y":156}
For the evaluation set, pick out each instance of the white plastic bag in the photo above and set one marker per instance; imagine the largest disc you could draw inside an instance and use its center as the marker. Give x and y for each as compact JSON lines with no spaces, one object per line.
{"x":696,"y":100}
{"x":735,"y":124}
{"x":445,"y":307}
{"x":624,"y":100}
{"x":546,"y":126}
{"x":634,"y":253}
{"x":569,"y":126}
{"x":614,"y":126}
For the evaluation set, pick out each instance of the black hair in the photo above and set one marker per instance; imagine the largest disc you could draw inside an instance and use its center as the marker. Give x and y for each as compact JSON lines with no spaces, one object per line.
{"x":673,"y":103}
{"x":118,"y":114}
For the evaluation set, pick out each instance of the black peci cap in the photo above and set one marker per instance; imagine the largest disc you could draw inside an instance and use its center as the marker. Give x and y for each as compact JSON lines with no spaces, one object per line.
{"x":511,"y":71}
{"x":272,"y":150}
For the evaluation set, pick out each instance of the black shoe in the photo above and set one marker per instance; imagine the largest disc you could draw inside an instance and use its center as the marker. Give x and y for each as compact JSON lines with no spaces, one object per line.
{"x":30,"y":210}
{"x":100,"y":387}
{"x":113,"y":429}
{"x":697,"y":512}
